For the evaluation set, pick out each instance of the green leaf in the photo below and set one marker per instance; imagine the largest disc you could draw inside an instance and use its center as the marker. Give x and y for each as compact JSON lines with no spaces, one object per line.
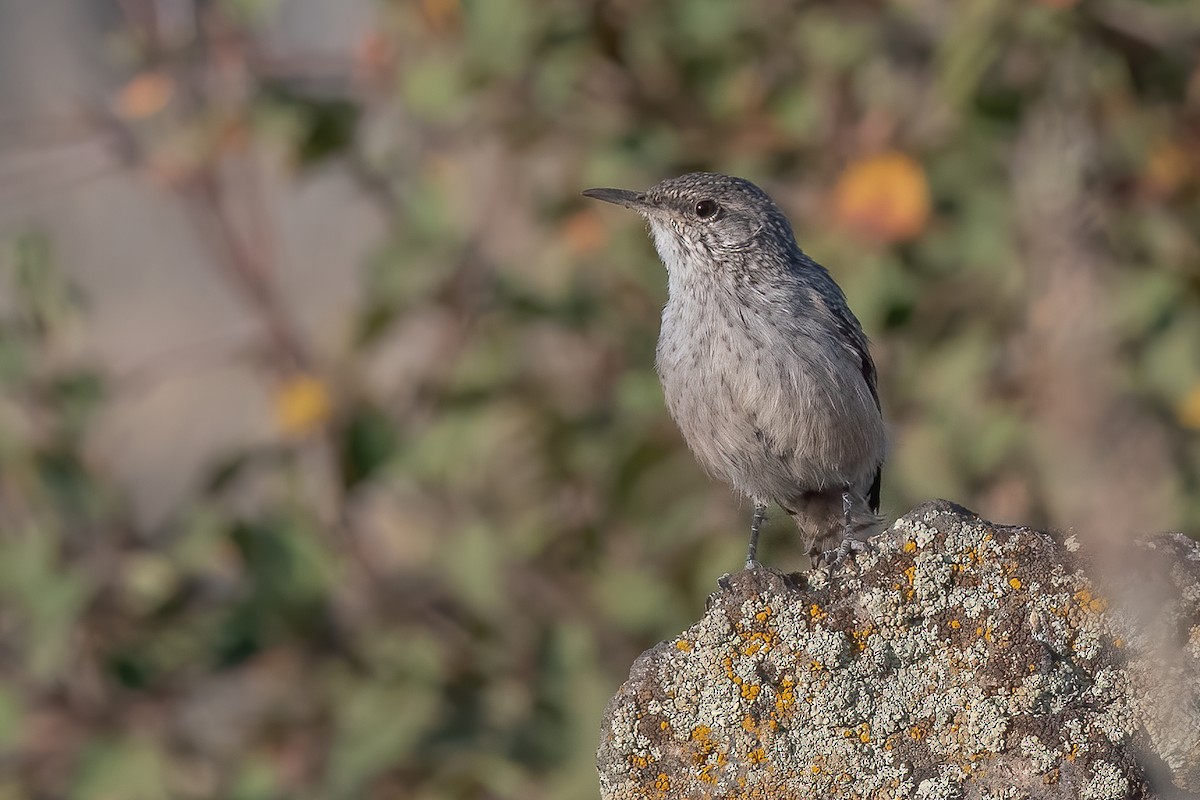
{"x":326,"y":126}
{"x":367,"y":442}
{"x":129,"y":768}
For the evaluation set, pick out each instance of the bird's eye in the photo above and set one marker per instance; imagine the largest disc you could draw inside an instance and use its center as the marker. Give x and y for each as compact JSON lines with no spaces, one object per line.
{"x":707,"y":209}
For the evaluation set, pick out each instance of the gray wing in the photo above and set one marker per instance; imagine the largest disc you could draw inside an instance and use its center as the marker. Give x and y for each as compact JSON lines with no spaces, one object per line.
{"x":852,"y":336}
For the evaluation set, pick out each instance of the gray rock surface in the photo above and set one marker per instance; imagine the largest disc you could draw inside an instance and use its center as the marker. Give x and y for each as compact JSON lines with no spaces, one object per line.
{"x":960,"y":659}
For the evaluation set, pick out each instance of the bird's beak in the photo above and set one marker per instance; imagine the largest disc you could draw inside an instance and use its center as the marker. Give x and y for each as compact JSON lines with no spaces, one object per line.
{"x":621,"y":197}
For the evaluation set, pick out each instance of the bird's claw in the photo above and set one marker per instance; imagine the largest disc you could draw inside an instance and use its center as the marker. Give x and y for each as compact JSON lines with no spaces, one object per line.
{"x":848,"y":547}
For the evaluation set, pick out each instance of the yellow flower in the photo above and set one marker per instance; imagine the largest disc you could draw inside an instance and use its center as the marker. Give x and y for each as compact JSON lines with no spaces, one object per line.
{"x":1189,"y":409}
{"x":302,"y":405}
{"x":1168,"y":167}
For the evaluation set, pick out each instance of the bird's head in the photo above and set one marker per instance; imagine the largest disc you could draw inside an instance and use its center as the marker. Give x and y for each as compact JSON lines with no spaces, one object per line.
{"x":705,"y":217}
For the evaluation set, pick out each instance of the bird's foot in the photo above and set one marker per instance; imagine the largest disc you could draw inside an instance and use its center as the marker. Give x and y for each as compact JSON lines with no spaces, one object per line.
{"x":848,"y":547}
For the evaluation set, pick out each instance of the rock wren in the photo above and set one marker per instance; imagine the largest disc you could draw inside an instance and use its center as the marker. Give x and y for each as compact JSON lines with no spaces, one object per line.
{"x":765,"y":369}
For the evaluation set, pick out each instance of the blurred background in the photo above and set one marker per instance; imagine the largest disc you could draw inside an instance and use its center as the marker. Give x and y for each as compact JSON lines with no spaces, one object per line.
{"x":332,"y":459}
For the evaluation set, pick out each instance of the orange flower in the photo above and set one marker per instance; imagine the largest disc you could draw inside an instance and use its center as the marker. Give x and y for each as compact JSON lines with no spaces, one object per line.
{"x":883,"y":197}
{"x":375,"y":57}
{"x":584,"y":232}
{"x":441,"y":14}
{"x":144,"y":96}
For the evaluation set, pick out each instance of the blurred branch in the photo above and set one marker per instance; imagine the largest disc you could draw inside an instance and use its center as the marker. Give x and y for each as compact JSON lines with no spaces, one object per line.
{"x":1163,"y":27}
{"x":1104,"y":465}
{"x":246,"y":265}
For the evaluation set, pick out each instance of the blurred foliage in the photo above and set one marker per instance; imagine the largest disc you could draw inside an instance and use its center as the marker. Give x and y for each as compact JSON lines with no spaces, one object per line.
{"x":477,"y":514}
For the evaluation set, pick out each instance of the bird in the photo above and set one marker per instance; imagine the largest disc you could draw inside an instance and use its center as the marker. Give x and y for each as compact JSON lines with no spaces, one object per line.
{"x":765,"y":369}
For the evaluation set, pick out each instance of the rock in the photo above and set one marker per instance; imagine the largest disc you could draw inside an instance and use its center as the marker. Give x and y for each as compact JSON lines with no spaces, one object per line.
{"x":1157,"y":612}
{"x":958,"y":659}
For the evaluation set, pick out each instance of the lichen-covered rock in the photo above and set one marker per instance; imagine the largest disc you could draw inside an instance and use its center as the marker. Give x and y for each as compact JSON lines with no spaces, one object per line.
{"x":959,"y":659}
{"x":1157,"y":611}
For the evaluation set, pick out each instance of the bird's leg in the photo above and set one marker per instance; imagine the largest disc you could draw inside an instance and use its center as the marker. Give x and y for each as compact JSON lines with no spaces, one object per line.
{"x":760,"y":514}
{"x":847,"y":510}
{"x":848,"y":544}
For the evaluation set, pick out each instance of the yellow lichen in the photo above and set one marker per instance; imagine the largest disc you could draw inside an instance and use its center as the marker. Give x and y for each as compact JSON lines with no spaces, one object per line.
{"x":860,"y":636}
{"x":683,"y":644}
{"x":757,"y":755}
{"x":786,"y":697}
{"x":910,"y":546}
{"x":749,"y":691}
{"x":754,"y":641}
{"x":955,"y":624}
{"x":662,"y":783}
{"x":1014,"y":583}
{"x":1090,"y":602}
